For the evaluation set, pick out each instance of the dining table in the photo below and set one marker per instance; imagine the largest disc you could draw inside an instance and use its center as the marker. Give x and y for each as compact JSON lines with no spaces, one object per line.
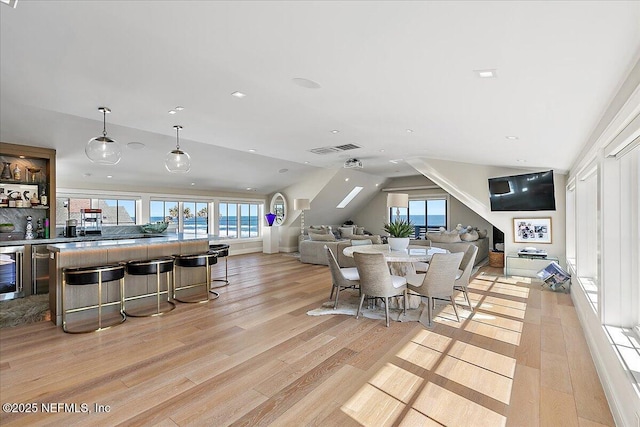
{"x":400,"y":263}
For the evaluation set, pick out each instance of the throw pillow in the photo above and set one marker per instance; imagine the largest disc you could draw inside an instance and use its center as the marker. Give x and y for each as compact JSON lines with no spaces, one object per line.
{"x":347,"y":232}
{"x":359,"y":231}
{"x":322,"y":237}
{"x":482,"y":233}
{"x":376,"y":239}
{"x":471,"y":236}
{"x":443,"y":237}
{"x":360,"y":242}
{"x":317,"y":229}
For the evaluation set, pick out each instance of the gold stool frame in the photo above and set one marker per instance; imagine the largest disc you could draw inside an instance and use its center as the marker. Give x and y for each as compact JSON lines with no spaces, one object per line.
{"x":206,"y":284}
{"x":89,"y":270}
{"x":157,"y":293}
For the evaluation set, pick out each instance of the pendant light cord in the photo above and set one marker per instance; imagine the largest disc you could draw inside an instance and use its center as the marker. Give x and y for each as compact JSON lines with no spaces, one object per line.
{"x":177,"y":137}
{"x":104,"y":123}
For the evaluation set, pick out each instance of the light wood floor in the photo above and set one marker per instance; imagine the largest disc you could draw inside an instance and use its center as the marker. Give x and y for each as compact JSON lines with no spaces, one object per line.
{"x":254,"y":357}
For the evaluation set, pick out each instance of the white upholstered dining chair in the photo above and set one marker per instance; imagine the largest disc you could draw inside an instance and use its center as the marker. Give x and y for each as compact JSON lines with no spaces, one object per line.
{"x":342,"y":278}
{"x":377,"y":282}
{"x":437,"y":282}
{"x":466,"y":265}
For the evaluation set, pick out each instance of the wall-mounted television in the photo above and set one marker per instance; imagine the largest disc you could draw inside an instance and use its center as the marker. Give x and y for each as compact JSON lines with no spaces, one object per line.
{"x":528,"y":192}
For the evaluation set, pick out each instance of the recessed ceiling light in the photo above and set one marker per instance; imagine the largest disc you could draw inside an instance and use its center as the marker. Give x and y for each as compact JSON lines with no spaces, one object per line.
{"x":511,"y":137}
{"x":346,"y":179}
{"x":86,"y":175}
{"x":179,"y":108}
{"x":382,"y":151}
{"x":377,"y":185}
{"x":306,"y":83}
{"x":306,"y":163}
{"x":252,"y":150}
{"x":335,"y":131}
{"x":486,"y":74}
{"x":521,"y":160}
{"x":238,"y":94}
{"x":22,"y":157}
{"x":395,"y":161}
{"x":193,"y":183}
{"x":135,"y":145}
{"x":172,"y":111}
{"x":283,"y":170}
{"x":409,"y":130}
{"x":109,"y":176}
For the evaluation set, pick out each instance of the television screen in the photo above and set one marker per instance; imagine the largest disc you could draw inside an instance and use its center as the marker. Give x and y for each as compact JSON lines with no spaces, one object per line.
{"x":528,"y":192}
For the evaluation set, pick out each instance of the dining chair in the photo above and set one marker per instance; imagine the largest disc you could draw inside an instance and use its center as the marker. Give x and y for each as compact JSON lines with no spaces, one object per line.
{"x":377,"y":282}
{"x":342,"y":278}
{"x":421,"y":266}
{"x":437,"y":282}
{"x":466,"y":265}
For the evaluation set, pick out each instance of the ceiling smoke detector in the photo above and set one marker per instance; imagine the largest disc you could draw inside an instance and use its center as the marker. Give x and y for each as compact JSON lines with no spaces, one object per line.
{"x":353,"y":163}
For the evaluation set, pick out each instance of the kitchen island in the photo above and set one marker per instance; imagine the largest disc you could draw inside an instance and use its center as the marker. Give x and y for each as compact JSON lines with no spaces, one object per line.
{"x":103,"y":252}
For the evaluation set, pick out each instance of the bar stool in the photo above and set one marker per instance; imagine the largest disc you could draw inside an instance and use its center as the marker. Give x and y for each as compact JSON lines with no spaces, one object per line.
{"x":223,"y":252}
{"x":205,"y":259}
{"x":91,"y":276}
{"x":147,"y":267}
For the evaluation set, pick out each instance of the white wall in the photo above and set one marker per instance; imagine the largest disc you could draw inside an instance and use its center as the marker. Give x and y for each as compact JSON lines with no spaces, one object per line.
{"x":469,"y":184}
{"x":375,"y":214}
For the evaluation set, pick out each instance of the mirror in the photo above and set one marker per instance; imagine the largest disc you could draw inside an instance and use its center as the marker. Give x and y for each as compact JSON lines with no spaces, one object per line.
{"x":279,"y":207}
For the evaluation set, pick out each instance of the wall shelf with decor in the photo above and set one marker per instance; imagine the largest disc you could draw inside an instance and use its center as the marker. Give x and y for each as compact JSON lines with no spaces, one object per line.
{"x":36,"y":170}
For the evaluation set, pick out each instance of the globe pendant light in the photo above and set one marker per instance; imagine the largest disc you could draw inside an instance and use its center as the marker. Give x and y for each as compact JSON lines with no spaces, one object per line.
{"x":177,"y":160}
{"x":102,"y":149}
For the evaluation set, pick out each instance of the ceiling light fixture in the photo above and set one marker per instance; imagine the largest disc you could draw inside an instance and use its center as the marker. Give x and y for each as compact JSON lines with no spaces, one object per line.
{"x":102,"y":149}
{"x":238,"y":94}
{"x":179,"y":108}
{"x":511,"y":137}
{"x":486,"y":74}
{"x":409,"y":130}
{"x":177,"y":161}
{"x":135,"y":145}
{"x":172,"y":111}
{"x":306,"y":83}
{"x":335,"y":131}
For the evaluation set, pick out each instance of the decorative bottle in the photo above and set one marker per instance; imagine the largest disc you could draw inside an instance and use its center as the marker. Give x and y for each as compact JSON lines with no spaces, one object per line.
{"x":28,"y":234}
{"x":43,"y":197}
{"x":17,"y":174}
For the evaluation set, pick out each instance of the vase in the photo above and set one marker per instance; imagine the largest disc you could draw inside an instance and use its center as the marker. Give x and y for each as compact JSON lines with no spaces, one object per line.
{"x":398,"y":243}
{"x":270,"y":217}
{"x":6,"y":171}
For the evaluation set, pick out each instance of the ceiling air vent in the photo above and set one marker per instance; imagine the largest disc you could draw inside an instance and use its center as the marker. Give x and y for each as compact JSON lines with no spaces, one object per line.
{"x":336,"y":149}
{"x":347,"y":147}
{"x":324,"y":150}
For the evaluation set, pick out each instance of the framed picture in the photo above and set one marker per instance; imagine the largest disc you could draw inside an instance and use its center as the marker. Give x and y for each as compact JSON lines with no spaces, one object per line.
{"x":532,"y":230}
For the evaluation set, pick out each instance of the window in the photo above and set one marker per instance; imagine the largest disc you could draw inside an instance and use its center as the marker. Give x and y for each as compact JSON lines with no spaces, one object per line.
{"x":239,"y":216}
{"x":228,"y":220}
{"x":69,"y":208}
{"x":427,"y":213}
{"x":195,"y":218}
{"x":118,"y":211}
{"x":161,"y":210}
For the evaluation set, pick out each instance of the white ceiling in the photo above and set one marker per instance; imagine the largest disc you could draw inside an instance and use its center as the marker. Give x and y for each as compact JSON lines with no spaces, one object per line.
{"x":383,"y":67}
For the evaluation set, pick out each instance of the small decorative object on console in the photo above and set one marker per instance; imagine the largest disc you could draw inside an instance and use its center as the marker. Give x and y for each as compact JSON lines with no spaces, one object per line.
{"x":532,"y":252}
{"x":270,"y":217}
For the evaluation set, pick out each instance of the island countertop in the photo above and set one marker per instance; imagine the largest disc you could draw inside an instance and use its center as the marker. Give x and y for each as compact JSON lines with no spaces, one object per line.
{"x":124,"y":241}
